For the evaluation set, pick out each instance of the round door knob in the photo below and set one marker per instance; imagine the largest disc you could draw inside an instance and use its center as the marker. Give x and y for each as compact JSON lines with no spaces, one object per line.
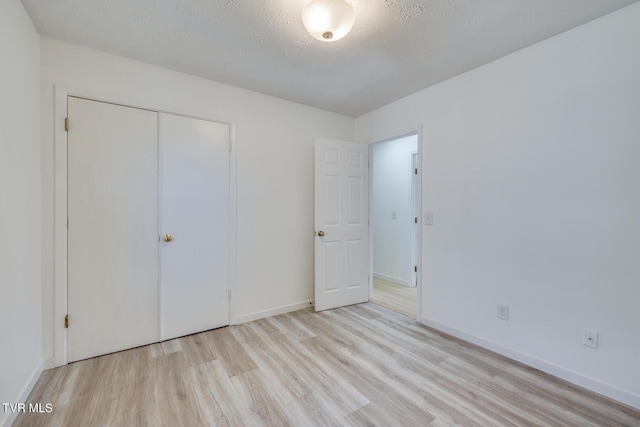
{"x":320,"y":233}
{"x":168,"y":237}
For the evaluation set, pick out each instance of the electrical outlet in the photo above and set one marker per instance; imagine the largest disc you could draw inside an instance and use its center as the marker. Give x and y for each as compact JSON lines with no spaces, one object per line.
{"x":590,"y":338}
{"x":503,"y":312}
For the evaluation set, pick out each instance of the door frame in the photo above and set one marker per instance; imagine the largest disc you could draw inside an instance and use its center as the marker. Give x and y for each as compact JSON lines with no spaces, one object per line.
{"x":415,"y":208}
{"x":60,"y":306}
{"x":413,"y":130}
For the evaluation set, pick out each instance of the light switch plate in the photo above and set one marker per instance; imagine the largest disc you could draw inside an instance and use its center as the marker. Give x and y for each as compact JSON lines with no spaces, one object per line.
{"x":428,"y":218}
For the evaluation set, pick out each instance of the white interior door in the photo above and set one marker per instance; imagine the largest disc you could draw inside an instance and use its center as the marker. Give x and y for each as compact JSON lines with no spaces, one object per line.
{"x":341,"y":223}
{"x":112,"y":251}
{"x":195,"y":213}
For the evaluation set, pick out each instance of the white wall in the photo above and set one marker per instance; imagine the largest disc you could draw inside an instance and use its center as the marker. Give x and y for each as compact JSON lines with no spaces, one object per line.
{"x":20,"y":206}
{"x":274,"y":169}
{"x":392,"y":192}
{"x":531,"y":167}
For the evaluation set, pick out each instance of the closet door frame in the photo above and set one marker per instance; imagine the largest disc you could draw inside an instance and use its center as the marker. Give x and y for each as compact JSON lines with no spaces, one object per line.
{"x":59,"y":301}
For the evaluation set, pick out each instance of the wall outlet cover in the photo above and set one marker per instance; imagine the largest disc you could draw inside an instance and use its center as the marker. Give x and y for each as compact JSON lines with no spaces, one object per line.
{"x":503,"y":312}
{"x":590,"y":338}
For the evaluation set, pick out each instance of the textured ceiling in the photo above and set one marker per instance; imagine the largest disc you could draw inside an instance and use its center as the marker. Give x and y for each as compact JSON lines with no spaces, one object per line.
{"x":396,"y":47}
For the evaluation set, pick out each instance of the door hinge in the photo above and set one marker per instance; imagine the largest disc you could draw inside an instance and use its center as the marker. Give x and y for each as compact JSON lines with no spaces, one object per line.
{"x":415,"y":268}
{"x":66,"y":321}
{"x":415,"y":220}
{"x":416,"y":171}
{"x":66,"y":124}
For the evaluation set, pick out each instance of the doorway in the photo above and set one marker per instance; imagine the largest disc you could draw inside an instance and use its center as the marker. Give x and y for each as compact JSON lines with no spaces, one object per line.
{"x":394,"y":223}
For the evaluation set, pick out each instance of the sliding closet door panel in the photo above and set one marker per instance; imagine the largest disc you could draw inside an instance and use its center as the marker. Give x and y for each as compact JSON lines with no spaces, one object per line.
{"x":194,"y":268}
{"x":113,"y":228}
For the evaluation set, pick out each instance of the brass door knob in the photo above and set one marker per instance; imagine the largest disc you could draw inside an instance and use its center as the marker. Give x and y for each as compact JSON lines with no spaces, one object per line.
{"x":320,"y":233}
{"x":168,"y":237}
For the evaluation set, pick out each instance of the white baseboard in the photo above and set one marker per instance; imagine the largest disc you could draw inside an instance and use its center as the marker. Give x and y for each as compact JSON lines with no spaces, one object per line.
{"x":7,"y":418}
{"x":391,"y":279}
{"x":273,"y":312}
{"x":621,"y":395}
{"x":49,"y":363}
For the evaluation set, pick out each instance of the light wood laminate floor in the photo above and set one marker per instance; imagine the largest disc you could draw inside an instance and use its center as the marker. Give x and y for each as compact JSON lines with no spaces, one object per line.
{"x":361,"y":365}
{"x":399,"y":298}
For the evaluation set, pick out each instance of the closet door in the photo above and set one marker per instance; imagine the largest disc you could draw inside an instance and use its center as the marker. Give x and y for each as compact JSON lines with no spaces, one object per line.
{"x":194,"y":206}
{"x":113,"y":228}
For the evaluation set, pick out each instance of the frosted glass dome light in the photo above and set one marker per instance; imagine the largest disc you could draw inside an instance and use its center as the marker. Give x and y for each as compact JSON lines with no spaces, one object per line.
{"x":328,"y":20}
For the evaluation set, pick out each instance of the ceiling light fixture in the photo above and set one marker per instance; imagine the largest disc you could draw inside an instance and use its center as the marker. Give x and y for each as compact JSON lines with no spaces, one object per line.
{"x":328,"y":20}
